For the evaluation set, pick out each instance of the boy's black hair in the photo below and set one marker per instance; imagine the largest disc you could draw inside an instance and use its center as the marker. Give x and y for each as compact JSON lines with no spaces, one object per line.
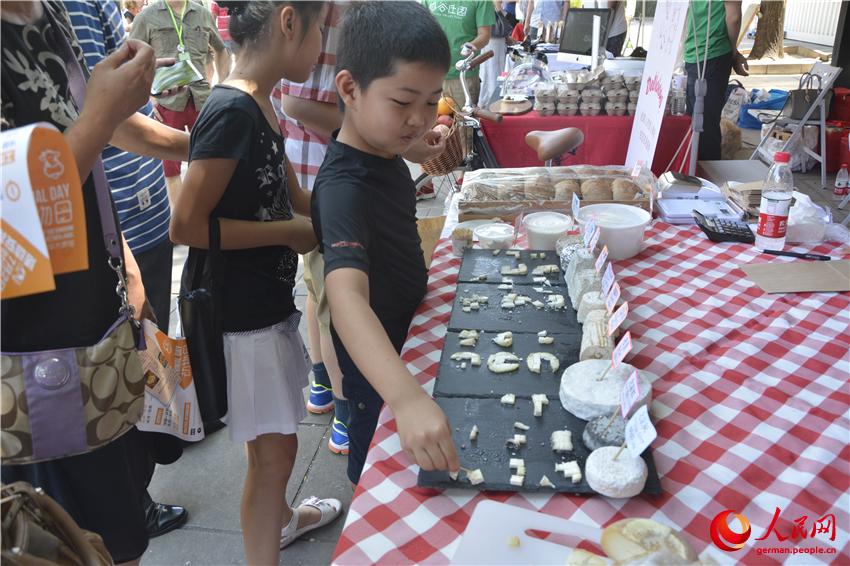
{"x":374,"y":35}
{"x":248,"y":20}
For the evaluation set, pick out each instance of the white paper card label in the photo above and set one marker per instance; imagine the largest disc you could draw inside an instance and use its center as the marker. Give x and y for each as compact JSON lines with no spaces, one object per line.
{"x":575,"y":206}
{"x":630,"y":393}
{"x":600,"y":261}
{"x":595,"y":238}
{"x":613,"y":297}
{"x":589,"y":228}
{"x":617,"y":318}
{"x":640,"y":432}
{"x":623,"y":348}
{"x":607,"y":280}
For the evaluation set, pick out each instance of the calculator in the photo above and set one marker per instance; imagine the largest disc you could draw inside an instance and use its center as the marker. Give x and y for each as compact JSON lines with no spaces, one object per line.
{"x":724,"y":230}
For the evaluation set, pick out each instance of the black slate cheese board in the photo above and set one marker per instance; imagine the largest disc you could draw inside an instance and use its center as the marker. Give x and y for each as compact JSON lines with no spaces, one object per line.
{"x":489,"y":453}
{"x":453,"y":380}
{"x":481,"y":266}
{"x":490,"y":316}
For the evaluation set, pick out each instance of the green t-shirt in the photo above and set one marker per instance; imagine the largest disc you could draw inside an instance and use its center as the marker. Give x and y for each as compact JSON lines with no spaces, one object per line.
{"x":461,"y":20}
{"x":718,"y":35}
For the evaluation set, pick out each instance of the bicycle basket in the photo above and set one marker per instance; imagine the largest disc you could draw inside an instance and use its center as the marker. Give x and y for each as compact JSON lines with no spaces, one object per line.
{"x":451,"y":158}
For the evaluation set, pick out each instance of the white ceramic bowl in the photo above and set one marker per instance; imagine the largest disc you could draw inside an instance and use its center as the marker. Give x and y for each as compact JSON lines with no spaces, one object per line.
{"x":621,"y":227}
{"x":495,"y":236}
{"x":544,"y":229}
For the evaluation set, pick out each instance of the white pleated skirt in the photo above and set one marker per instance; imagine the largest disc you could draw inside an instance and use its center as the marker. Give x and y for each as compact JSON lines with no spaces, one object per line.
{"x":266,"y":373}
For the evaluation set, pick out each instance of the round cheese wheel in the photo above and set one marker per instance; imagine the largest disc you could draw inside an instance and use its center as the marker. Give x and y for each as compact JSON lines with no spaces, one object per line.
{"x":586,"y":396}
{"x":598,"y":433}
{"x":623,"y":477}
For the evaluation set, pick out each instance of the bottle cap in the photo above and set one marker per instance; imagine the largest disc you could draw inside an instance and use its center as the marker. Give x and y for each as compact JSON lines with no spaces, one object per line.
{"x":782,"y":157}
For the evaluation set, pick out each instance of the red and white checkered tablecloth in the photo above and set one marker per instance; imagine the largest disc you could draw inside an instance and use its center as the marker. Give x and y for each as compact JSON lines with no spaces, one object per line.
{"x":751,"y":402}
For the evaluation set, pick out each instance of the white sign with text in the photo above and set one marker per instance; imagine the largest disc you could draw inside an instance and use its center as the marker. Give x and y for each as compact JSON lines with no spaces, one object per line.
{"x":668,"y":27}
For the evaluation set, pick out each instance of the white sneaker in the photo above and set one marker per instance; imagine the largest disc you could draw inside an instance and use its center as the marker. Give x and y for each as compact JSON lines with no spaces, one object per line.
{"x":329,"y":508}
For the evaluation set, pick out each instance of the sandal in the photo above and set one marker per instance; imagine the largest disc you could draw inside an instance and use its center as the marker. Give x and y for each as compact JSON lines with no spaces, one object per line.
{"x":329,"y":508}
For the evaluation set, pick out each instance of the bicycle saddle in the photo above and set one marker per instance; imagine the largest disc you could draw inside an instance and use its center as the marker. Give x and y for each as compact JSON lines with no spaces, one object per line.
{"x":550,"y":145}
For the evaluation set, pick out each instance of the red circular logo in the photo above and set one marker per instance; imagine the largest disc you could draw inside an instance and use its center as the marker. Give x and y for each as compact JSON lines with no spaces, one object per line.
{"x":724,"y":537}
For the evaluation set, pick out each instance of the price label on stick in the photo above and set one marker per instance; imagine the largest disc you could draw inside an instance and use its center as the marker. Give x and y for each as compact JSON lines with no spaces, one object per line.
{"x":600,"y":261}
{"x":640,"y":432}
{"x":589,"y":228}
{"x":595,"y":238}
{"x":617,"y":318}
{"x":623,"y":348}
{"x":629,"y":394}
{"x":612,"y":298}
{"x":607,"y":280}
{"x":576,"y":205}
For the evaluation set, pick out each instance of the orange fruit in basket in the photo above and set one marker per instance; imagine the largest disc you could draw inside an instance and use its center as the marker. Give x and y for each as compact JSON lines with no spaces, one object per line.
{"x":445,"y":105}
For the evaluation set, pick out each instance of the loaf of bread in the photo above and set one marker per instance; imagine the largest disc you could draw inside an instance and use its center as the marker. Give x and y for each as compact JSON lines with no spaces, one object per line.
{"x":564,"y":190}
{"x":597,"y":189}
{"x":539,"y":187}
{"x":624,"y":189}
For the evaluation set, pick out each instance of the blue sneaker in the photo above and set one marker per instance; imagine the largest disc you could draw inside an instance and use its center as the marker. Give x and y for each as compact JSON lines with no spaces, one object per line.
{"x":321,"y":399}
{"x":338,"y":442}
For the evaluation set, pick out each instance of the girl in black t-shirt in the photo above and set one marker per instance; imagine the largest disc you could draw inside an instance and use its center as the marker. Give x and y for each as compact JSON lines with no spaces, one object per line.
{"x":238,"y":173}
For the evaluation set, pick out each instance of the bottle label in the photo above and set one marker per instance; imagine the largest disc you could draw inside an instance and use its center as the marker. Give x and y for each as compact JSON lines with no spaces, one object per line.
{"x":773,"y":217}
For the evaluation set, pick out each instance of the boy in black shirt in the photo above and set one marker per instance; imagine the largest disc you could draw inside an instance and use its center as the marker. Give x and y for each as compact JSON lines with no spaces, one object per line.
{"x":391,"y":60}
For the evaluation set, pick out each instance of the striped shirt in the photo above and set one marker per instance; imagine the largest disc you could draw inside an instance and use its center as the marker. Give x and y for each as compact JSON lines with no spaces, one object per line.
{"x":137,"y":183}
{"x":305,"y":148}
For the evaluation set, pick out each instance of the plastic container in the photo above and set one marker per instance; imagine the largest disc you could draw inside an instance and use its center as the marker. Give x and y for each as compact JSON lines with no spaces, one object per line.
{"x":621,"y":227}
{"x":545,"y":228}
{"x":776,"y":197}
{"x":568,"y":109}
{"x":495,"y":236}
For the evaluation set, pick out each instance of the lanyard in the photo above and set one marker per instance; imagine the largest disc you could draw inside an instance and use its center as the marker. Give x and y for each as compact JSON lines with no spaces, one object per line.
{"x":179,"y":30}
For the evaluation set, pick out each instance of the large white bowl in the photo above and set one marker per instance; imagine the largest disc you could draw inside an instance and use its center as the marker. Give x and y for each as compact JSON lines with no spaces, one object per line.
{"x":496,"y":235}
{"x":621,"y":227}
{"x":545,"y":228}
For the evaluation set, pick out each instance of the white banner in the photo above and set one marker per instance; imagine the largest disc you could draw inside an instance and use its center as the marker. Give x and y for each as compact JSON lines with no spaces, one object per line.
{"x":668,"y":27}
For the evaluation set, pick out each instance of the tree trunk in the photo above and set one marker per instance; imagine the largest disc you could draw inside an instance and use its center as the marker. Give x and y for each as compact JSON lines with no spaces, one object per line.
{"x":770,"y":31}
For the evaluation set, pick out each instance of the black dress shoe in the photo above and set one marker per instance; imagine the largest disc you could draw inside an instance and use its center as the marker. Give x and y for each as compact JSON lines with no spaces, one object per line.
{"x":164,"y":518}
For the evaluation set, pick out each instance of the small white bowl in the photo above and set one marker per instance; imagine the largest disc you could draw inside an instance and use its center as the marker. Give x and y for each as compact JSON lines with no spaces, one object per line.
{"x":495,"y":236}
{"x":545,"y":228}
{"x":621,"y":227}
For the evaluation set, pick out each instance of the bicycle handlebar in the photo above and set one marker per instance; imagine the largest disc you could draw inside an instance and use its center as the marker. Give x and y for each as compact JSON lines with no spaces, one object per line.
{"x":485,"y":114}
{"x":480,"y":59}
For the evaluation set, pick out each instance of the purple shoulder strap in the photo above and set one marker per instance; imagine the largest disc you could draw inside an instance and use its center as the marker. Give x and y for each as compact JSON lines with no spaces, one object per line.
{"x":77,"y":84}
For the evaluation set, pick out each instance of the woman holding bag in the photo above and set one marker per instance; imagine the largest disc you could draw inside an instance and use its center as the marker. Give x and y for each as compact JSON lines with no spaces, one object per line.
{"x":101,"y":489}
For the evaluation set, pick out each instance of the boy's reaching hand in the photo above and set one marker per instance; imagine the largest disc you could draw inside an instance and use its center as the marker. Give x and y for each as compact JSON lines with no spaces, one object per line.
{"x":425,"y":433}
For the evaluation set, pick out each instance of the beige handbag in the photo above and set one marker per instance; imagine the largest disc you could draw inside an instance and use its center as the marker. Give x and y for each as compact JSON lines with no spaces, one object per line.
{"x":38,"y":532}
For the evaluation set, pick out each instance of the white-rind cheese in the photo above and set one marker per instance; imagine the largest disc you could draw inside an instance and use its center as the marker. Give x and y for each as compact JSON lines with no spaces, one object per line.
{"x":584,"y":395}
{"x":590,"y":302}
{"x":582,"y":259}
{"x":595,"y":342}
{"x":623,"y":477}
{"x":585,"y":281}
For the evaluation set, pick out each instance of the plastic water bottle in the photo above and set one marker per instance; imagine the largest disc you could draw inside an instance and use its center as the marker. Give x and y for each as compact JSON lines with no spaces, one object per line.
{"x":842,"y":180}
{"x":775,"y":203}
{"x":678,"y":103}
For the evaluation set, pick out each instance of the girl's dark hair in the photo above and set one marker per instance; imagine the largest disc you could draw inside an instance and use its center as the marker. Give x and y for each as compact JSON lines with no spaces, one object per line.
{"x":248,"y":20}
{"x":375,"y":35}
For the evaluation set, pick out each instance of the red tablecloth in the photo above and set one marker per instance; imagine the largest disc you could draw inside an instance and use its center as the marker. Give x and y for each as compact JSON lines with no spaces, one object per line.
{"x":751,"y":402}
{"x":606,"y":139}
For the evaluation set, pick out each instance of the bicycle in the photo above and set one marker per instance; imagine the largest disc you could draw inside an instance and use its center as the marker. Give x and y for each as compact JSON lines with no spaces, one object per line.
{"x":549,"y":145}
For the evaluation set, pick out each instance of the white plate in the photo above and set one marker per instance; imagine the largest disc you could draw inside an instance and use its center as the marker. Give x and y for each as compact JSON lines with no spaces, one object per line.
{"x":473,"y":224}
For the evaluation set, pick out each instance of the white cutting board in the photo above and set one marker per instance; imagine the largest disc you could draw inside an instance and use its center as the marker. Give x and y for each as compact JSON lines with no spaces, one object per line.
{"x":485,"y":540}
